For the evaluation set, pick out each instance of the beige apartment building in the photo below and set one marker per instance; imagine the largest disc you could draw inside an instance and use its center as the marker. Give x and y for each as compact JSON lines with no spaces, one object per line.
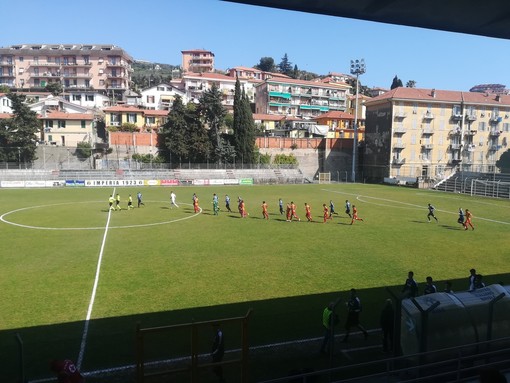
{"x":429,"y":134}
{"x":75,"y":66}
{"x":197,"y":61}
{"x":300,"y":98}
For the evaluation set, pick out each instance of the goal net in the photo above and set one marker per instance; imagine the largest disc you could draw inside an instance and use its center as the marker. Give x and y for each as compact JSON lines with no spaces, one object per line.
{"x":325,"y":178}
{"x":486,"y":188}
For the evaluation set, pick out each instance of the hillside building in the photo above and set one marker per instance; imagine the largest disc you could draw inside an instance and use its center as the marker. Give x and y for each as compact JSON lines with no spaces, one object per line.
{"x":299,"y":98}
{"x":429,"y":134}
{"x":197,"y":60}
{"x":75,"y":66}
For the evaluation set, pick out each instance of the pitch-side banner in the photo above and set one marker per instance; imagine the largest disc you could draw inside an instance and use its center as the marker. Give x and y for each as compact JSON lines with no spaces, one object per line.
{"x":97,"y":183}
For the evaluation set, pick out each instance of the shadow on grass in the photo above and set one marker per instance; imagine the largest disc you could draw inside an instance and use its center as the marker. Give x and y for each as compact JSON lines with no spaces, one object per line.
{"x":111,"y":341}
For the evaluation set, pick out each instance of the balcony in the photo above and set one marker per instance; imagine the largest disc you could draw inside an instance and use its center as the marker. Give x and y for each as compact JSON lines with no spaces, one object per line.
{"x":455,"y":146}
{"x":454,"y":161}
{"x":469,"y":147}
{"x":116,"y":75}
{"x":495,"y":119}
{"x":494,"y":148}
{"x":456,"y":132}
{"x":399,"y":146}
{"x":400,"y":114}
{"x":428,"y":116}
{"x":471,"y":117}
{"x":427,"y":131}
{"x":427,"y":146}
{"x":494,"y":133}
{"x":470,"y":132}
{"x":457,"y":116}
{"x":398,"y":161}
{"x":77,"y":75}
{"x":399,"y":130}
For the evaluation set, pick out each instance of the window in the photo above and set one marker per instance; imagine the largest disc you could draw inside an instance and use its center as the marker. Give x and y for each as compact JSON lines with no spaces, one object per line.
{"x":150,"y":99}
{"x":441,"y":140}
{"x":48,"y":124}
{"x":20,"y":58}
{"x":413,"y":155}
{"x":83,"y":124}
{"x":76,"y":97}
{"x":441,"y":125}
{"x":443,"y":109}
{"x":161,"y":88}
{"x":481,"y":126}
{"x":87,"y":85}
{"x":413,"y":139}
{"x":506,"y":127}
{"x":61,"y":123}
{"x":89,"y":97}
{"x":132,"y":118}
{"x":415,"y":108}
{"x":36,"y":71}
{"x":456,"y":110}
{"x":150,"y":120}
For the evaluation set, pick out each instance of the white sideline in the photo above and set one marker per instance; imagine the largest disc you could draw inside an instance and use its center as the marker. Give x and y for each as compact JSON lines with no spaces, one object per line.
{"x":93,"y":296}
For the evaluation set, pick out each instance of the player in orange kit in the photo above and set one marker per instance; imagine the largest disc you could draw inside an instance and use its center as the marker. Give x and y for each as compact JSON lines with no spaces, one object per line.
{"x":326,"y":212}
{"x":469,"y":215}
{"x":293,"y":211}
{"x":308,"y":212}
{"x":264,"y":210}
{"x":355,"y":215}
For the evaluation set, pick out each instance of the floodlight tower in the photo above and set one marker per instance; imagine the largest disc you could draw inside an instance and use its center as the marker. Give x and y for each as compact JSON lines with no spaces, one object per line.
{"x":357,"y":68}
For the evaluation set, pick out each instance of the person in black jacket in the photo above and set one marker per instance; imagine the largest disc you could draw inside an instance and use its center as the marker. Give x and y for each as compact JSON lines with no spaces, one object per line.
{"x":217,"y":352}
{"x":387,"y":322}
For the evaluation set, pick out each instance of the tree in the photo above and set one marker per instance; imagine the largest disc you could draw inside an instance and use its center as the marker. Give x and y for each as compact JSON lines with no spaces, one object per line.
{"x":244,"y":126}
{"x":55,"y":88}
{"x":411,"y":84}
{"x":214,"y":113}
{"x":174,"y":132}
{"x":83,"y":149}
{"x":503,"y":163}
{"x":18,"y":135}
{"x":285,"y":65}
{"x":396,"y":82}
{"x":266,"y":64}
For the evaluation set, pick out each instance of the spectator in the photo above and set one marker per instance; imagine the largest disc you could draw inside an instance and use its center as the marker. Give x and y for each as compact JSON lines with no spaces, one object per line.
{"x":430,"y":288}
{"x":353,"y":310}
{"x":66,"y":371}
{"x":410,"y":289}
{"x":478,"y":281}
{"x":448,"y":287}
{"x":217,"y":352}
{"x":472,"y":275}
{"x":387,"y":322}
{"x":329,"y":321}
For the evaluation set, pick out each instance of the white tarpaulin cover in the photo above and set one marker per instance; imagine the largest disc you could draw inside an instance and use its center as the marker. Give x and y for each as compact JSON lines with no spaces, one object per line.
{"x":321,"y":130}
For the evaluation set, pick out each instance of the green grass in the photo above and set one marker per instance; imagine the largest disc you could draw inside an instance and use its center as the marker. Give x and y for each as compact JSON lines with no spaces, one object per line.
{"x":166,"y":266}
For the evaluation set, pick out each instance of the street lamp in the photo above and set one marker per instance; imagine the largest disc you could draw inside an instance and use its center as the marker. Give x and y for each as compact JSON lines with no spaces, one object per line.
{"x":357,"y":68}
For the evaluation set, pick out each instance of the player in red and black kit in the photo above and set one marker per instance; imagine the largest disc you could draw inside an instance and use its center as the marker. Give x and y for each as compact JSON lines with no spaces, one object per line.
{"x":66,"y":371}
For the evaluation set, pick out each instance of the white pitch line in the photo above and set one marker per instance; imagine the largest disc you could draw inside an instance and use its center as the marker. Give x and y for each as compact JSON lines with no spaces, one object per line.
{"x":93,"y":296}
{"x":359,"y":198}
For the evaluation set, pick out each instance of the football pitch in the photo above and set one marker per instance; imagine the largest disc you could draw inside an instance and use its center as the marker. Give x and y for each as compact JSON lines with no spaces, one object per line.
{"x":75,"y":278}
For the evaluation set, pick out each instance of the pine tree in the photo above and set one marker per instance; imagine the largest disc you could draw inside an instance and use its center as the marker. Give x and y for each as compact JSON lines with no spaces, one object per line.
{"x":174,"y":133}
{"x":285,"y":65}
{"x":18,"y":135}
{"x":214,"y":114}
{"x":396,"y":83}
{"x":244,"y":126}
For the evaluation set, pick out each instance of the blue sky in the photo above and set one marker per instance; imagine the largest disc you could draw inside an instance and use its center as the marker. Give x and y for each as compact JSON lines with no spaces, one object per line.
{"x":239,"y":35}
